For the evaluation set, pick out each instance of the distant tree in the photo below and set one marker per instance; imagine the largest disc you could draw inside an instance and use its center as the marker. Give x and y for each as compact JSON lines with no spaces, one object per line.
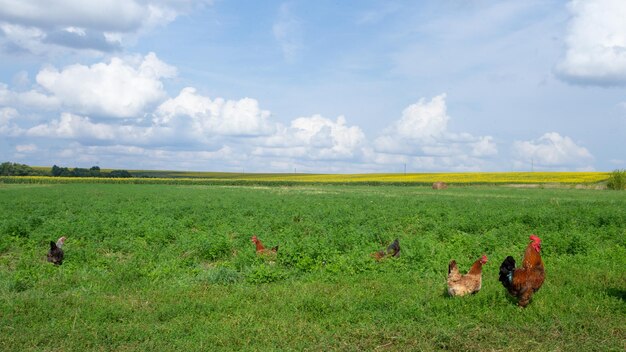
{"x":6,"y":169}
{"x":56,"y":171}
{"x":120,"y":173}
{"x":60,"y":171}
{"x":94,"y":171}
{"x":15,"y":169}
{"x":80,"y":172}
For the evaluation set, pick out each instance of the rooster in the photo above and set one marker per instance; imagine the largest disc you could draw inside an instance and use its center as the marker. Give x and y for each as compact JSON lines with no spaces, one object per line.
{"x":460,"y":285}
{"x":55,"y":254}
{"x":393,"y":250}
{"x":261,"y":250}
{"x":525,"y":281}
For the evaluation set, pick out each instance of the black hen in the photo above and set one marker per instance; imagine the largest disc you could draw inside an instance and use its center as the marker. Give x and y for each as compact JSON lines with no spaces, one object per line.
{"x":394,"y":249}
{"x":55,"y":254}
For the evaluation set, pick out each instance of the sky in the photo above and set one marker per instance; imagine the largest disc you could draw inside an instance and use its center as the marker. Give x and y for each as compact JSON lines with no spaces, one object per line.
{"x":314,"y":86}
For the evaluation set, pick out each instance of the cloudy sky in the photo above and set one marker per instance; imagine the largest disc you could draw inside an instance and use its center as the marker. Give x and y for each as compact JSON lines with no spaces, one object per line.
{"x":319,"y":86}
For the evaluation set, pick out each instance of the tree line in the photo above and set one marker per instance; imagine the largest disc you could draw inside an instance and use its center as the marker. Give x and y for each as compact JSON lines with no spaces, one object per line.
{"x":15,"y":169}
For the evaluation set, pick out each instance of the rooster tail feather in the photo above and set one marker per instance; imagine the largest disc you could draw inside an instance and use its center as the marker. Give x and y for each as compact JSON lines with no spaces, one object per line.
{"x":452,"y":266}
{"x":506,"y":271}
{"x":53,"y":245}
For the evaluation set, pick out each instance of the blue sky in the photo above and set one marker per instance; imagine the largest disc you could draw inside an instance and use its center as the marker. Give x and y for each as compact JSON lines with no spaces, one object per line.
{"x":320,"y":86}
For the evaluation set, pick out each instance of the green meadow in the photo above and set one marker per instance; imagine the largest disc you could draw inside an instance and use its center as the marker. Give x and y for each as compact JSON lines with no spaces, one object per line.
{"x":172,"y":268}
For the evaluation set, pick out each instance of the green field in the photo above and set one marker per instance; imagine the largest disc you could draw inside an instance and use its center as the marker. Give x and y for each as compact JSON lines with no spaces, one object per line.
{"x":172,"y":268}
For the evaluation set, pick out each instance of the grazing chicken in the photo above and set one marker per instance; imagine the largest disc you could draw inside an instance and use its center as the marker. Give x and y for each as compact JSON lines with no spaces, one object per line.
{"x":393,"y":250}
{"x":261,"y":250}
{"x":460,"y":285}
{"x":523,"y":282}
{"x":55,"y":254}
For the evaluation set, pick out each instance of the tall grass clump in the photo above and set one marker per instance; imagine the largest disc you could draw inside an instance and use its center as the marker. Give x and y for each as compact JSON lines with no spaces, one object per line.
{"x":220,"y":275}
{"x":617,"y":180}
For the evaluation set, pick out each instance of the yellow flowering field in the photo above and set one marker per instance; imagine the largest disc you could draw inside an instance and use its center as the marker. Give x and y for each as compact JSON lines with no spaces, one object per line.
{"x":417,"y":178}
{"x":466,"y":177}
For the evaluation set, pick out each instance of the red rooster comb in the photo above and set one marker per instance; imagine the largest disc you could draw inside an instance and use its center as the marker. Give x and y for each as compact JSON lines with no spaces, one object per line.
{"x":536,"y":243}
{"x":483,"y":259}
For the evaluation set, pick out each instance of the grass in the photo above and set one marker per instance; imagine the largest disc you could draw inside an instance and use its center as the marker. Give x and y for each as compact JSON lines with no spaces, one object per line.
{"x":171,"y":267}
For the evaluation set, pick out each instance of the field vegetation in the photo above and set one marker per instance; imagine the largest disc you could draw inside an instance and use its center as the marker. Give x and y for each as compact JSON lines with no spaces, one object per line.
{"x":424,"y":178}
{"x":171,"y":268}
{"x":617,"y":180}
{"x":566,"y":179}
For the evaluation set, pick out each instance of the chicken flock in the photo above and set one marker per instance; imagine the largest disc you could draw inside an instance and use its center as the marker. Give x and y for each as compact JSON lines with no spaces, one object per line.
{"x":520,"y":282}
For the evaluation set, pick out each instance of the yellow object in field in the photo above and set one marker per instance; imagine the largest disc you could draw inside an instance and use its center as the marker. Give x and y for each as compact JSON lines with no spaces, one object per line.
{"x":178,"y":177}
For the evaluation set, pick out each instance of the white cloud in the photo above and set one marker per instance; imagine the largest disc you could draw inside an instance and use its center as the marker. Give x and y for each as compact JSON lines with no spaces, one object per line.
{"x":32,"y":99}
{"x":21,"y":38}
{"x":551,"y":151}
{"x":396,"y":162}
{"x":124,"y":88}
{"x":134,"y":157}
{"x":82,"y":129}
{"x":287,"y":31}
{"x":422,"y":131}
{"x":314,"y":138}
{"x":596,"y":43}
{"x":209,"y":117}
{"x":6,"y":115}
{"x":423,"y":122}
{"x":111,"y":14}
{"x":484,"y":146}
{"x":8,"y":126}
{"x":21,"y":80}
{"x":188,"y":121}
{"x":377,"y":15}
{"x":121,"y":88}
{"x":42,"y":26}
{"x":72,"y":126}
{"x":26,"y":148}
